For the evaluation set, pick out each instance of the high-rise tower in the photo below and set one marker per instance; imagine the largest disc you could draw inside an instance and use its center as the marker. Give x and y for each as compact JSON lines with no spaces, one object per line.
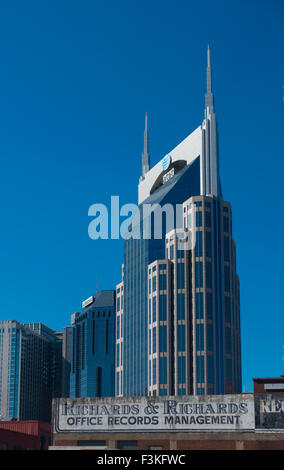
{"x":181,"y":318}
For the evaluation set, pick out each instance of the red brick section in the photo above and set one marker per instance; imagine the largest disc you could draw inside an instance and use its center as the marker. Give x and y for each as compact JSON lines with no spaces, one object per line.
{"x":11,"y":440}
{"x":39,"y":432}
{"x":258,"y":384}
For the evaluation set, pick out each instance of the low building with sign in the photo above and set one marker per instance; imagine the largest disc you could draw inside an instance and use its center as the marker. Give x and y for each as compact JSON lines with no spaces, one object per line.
{"x":229,"y":422}
{"x":269,"y":385}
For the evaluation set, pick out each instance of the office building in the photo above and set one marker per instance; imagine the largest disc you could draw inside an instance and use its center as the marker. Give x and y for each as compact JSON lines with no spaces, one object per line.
{"x":29,"y":363}
{"x":181,"y":312}
{"x":93,"y":347}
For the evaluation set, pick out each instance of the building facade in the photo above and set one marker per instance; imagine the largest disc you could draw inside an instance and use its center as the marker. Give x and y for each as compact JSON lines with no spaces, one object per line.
{"x":181,"y":312}
{"x":93,"y":347}
{"x":215,"y":422}
{"x":29,"y":370}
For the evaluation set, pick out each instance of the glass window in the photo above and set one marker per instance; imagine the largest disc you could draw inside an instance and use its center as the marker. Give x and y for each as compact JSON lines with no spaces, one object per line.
{"x":199,"y":219}
{"x":209,"y":337}
{"x":209,"y":305}
{"x":154,"y":340}
{"x":163,"y":307}
{"x":226,"y":249}
{"x":198,"y":244}
{"x":180,"y":306}
{"x":180,"y":275}
{"x":210,"y":369}
{"x":154,"y":280}
{"x":181,"y":369}
{"x":228,"y":309}
{"x":163,"y":338}
{"x":199,"y":337}
{"x":208,"y":247}
{"x":154,"y":371}
{"x":154,"y":309}
{"x":208,"y":274}
{"x":227,"y":278}
{"x":198,"y":274}
{"x":229,"y":370}
{"x":208,"y":219}
{"x":200,"y":369}
{"x":181,"y":337}
{"x":228,"y":341}
{"x":162,"y":281}
{"x":226,"y":224}
{"x":199,"y":305}
{"x":163,"y":370}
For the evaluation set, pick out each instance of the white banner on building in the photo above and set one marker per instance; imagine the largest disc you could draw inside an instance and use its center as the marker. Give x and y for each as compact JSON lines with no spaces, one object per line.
{"x":155,"y":414}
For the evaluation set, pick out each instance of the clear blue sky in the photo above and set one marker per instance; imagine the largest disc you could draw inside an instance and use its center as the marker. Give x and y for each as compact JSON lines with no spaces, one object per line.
{"x":76,"y":79}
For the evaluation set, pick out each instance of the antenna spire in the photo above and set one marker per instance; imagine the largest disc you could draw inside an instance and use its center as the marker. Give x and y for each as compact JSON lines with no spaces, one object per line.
{"x":145,"y":154}
{"x":209,"y":101}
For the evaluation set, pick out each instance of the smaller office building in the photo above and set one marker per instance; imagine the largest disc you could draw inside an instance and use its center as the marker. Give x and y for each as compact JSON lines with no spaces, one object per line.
{"x":93,"y":347}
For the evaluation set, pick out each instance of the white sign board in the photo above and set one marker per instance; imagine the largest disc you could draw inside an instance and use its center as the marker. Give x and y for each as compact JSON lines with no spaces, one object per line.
{"x":155,"y":414}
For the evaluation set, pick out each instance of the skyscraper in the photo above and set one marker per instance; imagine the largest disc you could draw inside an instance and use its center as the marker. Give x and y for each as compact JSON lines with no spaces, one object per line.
{"x":30,"y":362}
{"x":93,"y":347}
{"x":181,"y":320}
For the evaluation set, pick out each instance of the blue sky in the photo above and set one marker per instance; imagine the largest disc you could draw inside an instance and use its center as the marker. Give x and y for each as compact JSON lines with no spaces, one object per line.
{"x":76,"y":79}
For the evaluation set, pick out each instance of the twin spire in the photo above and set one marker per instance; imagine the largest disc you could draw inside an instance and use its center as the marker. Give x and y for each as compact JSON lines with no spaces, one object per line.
{"x":209,"y":108}
{"x":145,"y":154}
{"x":209,"y":100}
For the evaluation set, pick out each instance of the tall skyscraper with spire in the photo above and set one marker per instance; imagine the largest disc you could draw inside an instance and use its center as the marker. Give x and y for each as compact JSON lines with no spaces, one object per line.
{"x":179,"y":310}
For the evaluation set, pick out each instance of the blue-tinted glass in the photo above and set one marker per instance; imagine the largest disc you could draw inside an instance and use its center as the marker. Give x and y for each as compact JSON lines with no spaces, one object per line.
{"x":181,"y":369}
{"x":208,"y":274}
{"x":181,"y":337}
{"x":227,"y":278}
{"x":199,"y":305}
{"x":226,"y":224}
{"x":172,"y":252}
{"x":209,"y":337}
{"x":180,"y":275}
{"x":163,"y":370}
{"x":228,"y":341}
{"x":209,"y":302}
{"x":198,"y":274}
{"x":226,"y":249}
{"x":180,"y":306}
{"x":208,"y":219}
{"x":163,"y":338}
{"x":154,"y":309}
{"x":208,"y":246}
{"x":163,"y":307}
{"x":229,"y":370}
{"x":154,"y":280}
{"x":228,"y":309}
{"x":154,"y":371}
{"x":198,"y":244}
{"x":199,"y":337}
{"x":210,"y":370}
{"x":154,"y":340}
{"x":200,"y":369}
{"x":199,"y":219}
{"x":162,"y":281}
{"x":118,"y":327}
